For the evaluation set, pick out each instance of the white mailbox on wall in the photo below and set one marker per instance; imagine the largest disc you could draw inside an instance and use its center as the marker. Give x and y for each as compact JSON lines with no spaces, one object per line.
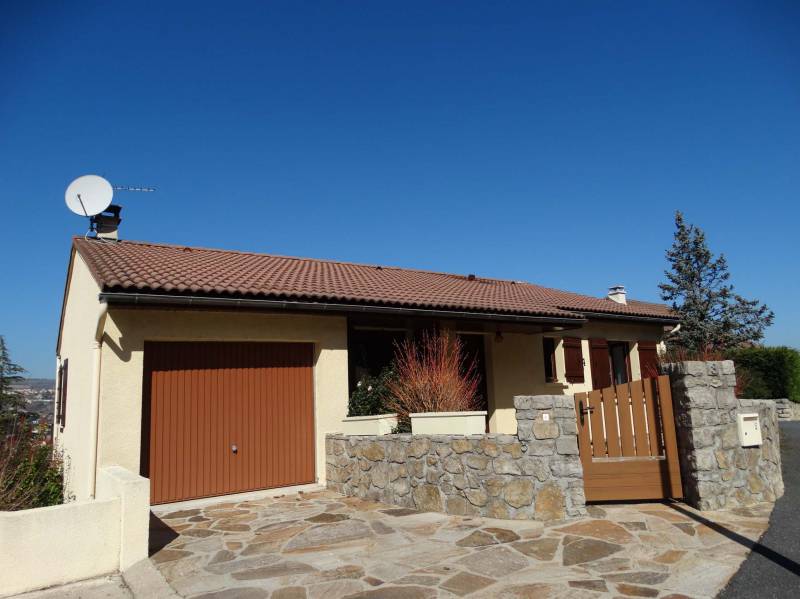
{"x":749,"y":430}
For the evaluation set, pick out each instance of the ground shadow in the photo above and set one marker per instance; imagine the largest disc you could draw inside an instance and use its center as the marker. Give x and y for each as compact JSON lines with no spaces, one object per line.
{"x":161,"y":535}
{"x":755,"y":546}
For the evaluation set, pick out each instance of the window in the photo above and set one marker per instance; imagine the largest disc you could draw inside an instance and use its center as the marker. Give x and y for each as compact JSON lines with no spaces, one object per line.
{"x":61,"y":399}
{"x":648,"y":359}
{"x":549,"y":346}
{"x":573,"y":359}
{"x":619,"y":362}
{"x":370,"y":351}
{"x":475,"y":351}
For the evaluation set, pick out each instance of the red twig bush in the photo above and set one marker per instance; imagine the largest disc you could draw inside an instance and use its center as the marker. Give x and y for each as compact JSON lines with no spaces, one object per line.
{"x":433,"y":375}
{"x":677,"y":354}
{"x":674,"y":355}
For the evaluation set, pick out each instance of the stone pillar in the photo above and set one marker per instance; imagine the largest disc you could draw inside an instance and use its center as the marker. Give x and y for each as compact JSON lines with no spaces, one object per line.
{"x":547,"y":425}
{"x":716,"y":471}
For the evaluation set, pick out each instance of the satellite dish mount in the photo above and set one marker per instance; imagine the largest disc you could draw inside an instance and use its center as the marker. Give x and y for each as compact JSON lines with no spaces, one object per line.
{"x":91,"y":196}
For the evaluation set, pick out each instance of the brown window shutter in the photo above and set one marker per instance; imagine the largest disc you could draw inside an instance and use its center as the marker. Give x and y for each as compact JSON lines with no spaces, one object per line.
{"x":62,"y":396}
{"x":58,"y":393}
{"x":648,"y":359}
{"x":600,"y":362}
{"x":573,"y":359}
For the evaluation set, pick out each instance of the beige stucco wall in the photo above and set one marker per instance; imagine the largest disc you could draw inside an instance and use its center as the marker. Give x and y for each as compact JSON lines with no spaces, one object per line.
{"x":122,"y":363}
{"x":515,"y":365}
{"x":77,"y":339}
{"x":74,"y":541}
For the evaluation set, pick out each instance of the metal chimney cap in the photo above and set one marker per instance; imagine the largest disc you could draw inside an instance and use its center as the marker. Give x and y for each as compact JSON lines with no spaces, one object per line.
{"x":617,"y":293}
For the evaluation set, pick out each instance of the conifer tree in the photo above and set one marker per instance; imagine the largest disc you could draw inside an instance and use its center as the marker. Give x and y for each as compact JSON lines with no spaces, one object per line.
{"x":713,"y":316}
{"x":10,"y":373}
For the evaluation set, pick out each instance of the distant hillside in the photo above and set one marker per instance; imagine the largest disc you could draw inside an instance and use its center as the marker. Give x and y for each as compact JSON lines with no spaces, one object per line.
{"x":37,"y":384}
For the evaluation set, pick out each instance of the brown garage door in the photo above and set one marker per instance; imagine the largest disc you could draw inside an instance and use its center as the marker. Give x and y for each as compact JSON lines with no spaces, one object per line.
{"x":226,"y":418}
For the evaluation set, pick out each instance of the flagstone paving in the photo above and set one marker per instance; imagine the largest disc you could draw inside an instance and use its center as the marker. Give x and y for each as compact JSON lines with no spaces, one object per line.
{"x":320,"y":545}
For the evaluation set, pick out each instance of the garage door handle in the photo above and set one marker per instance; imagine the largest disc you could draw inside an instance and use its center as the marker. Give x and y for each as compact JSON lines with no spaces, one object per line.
{"x":234,"y":449}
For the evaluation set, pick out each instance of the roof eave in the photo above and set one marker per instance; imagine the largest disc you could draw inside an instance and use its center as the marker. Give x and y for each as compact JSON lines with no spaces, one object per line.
{"x":632,"y":317}
{"x":156,"y":299}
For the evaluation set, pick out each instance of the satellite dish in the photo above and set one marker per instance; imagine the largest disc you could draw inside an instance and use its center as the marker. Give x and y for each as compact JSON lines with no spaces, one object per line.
{"x":89,"y":195}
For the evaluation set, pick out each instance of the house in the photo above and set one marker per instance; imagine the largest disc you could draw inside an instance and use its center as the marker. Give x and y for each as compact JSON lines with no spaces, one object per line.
{"x":215,"y":372}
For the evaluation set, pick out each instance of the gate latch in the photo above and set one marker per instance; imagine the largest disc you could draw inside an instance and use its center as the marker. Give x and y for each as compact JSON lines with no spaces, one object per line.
{"x":584,"y":410}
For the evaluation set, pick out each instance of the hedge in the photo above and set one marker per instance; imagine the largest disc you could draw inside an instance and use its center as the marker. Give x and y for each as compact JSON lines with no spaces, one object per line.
{"x":768,"y":372}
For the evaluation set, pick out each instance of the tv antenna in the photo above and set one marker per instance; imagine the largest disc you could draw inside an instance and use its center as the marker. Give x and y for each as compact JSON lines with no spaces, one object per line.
{"x":91,"y":196}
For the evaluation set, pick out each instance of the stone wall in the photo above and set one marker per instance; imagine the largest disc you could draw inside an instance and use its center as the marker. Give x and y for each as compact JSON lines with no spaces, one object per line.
{"x":716,"y":471}
{"x":787,"y":410}
{"x":535,"y":474}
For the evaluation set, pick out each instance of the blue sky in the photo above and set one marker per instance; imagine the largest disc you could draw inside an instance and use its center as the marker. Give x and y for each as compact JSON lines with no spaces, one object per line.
{"x":549,"y":142}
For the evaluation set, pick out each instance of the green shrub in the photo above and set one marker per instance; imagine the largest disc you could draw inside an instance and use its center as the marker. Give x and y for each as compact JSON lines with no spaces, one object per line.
{"x":370,"y":395}
{"x":31,"y":472}
{"x":768,"y":372}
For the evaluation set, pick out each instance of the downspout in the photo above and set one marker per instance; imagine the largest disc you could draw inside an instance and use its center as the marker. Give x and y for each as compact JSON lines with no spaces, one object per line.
{"x":97,"y":352}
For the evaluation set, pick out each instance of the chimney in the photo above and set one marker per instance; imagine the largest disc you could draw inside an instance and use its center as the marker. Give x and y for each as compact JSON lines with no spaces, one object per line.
{"x":106,"y":224}
{"x":617,"y":294}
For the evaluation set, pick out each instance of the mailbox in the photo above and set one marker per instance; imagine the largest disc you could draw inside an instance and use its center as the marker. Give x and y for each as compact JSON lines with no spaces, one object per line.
{"x":749,"y":430}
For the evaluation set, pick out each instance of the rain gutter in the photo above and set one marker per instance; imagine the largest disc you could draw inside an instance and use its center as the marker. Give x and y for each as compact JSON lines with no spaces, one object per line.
{"x":145,"y":299}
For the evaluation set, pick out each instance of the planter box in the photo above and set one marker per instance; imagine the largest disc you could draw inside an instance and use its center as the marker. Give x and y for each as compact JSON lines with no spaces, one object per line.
{"x":448,"y":423}
{"x":382,"y":424}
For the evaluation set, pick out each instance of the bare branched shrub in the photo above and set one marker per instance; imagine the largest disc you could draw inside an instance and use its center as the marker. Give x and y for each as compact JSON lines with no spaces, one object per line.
{"x":675,"y":354}
{"x":433,"y":375}
{"x":31,"y":473}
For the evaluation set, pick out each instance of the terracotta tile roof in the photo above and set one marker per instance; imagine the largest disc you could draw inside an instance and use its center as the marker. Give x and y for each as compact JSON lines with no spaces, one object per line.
{"x":133,"y":266}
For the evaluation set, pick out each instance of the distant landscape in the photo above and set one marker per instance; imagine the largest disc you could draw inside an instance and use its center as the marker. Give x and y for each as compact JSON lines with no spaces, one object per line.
{"x":38,"y":384}
{"x":38,"y":395}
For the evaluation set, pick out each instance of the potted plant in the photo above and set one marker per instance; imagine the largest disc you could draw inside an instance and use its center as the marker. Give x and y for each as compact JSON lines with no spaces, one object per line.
{"x":366,"y":410}
{"x":436,"y":387}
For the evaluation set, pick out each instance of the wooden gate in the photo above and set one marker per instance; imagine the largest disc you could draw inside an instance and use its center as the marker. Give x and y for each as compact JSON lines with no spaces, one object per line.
{"x":626,"y":435}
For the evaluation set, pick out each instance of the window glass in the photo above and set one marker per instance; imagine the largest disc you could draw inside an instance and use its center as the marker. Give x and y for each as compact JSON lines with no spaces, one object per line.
{"x":619,"y":362}
{"x":549,"y":346}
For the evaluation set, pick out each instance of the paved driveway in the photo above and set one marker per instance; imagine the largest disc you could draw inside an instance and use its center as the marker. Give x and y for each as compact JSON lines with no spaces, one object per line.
{"x":321,"y":544}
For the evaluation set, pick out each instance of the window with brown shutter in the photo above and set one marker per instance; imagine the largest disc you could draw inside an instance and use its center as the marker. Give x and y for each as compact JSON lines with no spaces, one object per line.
{"x":648,"y":359}
{"x":549,"y":347}
{"x":61,"y":411}
{"x":600,"y":362}
{"x":573,"y":359}
{"x":58,"y":392}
